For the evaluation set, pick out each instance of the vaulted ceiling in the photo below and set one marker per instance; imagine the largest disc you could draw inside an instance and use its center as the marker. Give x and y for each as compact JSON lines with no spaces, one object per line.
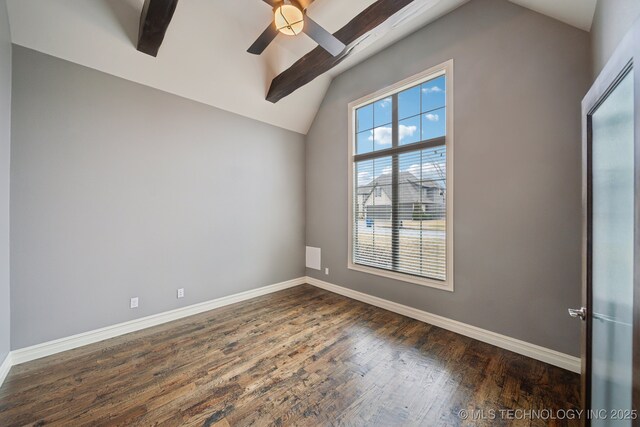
{"x":203,"y":56}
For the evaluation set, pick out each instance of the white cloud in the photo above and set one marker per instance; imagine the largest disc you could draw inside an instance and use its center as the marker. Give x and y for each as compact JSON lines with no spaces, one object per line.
{"x":405,"y":131}
{"x":432,"y":117}
{"x":434,"y":89}
{"x":429,"y":170}
{"x":386,"y":170}
{"x":382,"y":135}
{"x":384,"y":103}
{"x":364,"y":178}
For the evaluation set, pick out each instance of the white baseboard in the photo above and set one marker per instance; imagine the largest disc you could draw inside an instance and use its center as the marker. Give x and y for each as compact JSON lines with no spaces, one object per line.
{"x":56,"y":346}
{"x":5,"y":366}
{"x":543,"y":354}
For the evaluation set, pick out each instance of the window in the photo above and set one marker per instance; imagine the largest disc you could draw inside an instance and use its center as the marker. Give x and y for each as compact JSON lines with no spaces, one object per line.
{"x":400,"y":180}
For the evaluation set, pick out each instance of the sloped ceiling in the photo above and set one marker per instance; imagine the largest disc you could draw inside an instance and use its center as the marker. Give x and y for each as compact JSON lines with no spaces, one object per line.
{"x":204,"y":57}
{"x":578,"y":13}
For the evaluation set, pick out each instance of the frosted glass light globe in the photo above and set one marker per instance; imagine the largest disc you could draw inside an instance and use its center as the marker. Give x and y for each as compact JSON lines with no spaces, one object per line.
{"x":289,"y":20}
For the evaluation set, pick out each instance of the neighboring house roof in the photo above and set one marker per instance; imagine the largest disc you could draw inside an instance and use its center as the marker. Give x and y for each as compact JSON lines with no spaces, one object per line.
{"x":365,"y":190}
{"x":409,"y":185}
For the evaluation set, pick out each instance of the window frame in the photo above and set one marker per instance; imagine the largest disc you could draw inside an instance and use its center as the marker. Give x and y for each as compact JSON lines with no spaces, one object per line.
{"x":446,"y":69}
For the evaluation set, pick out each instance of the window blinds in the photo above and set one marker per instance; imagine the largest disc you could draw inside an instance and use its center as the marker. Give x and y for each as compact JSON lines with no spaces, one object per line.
{"x":400,"y":186}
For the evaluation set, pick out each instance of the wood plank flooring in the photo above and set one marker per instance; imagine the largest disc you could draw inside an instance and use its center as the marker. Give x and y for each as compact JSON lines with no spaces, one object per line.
{"x":303,"y":357}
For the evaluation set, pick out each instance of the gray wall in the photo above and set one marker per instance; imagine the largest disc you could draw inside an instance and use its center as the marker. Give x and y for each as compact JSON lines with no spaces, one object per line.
{"x":611,"y":21}
{"x":5,"y":146}
{"x":119,"y":190}
{"x":519,"y":78}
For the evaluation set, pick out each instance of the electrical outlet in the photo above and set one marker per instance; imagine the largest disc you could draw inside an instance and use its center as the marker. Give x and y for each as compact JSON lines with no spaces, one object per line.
{"x":134,"y":302}
{"x":181,"y":293}
{"x":326,"y":271}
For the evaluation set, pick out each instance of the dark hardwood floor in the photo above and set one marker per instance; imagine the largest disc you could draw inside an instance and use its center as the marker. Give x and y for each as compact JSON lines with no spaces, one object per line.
{"x":302,"y":357}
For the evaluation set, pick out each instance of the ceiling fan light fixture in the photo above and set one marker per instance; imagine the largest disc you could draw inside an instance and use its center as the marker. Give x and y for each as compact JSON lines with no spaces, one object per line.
{"x":289,"y":20}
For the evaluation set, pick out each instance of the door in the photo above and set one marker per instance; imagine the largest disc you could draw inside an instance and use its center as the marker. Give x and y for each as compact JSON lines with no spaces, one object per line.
{"x":611,"y":276}
{"x":611,"y":253}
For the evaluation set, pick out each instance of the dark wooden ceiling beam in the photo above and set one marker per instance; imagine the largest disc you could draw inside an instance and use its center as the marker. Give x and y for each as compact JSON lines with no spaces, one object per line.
{"x":154,"y":21}
{"x":319,"y":61}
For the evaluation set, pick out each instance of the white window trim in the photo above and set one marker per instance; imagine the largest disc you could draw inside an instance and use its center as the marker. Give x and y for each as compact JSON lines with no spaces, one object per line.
{"x":445,"y":68}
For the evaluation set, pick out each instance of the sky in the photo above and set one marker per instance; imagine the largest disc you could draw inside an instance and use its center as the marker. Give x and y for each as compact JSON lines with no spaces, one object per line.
{"x":421,"y":116}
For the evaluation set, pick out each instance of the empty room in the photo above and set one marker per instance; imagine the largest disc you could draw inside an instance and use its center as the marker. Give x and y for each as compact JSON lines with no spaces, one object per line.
{"x":319,"y":213}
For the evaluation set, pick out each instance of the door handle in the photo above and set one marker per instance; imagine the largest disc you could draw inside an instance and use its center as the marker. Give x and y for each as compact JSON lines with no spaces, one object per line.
{"x":578,"y":312}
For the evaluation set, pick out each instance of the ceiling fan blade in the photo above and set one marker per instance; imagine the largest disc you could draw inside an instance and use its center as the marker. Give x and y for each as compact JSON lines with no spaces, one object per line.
{"x":323,"y":37}
{"x":263,"y":40}
{"x":272,"y":3}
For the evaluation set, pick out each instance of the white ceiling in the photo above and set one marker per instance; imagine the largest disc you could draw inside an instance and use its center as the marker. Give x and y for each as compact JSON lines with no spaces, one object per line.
{"x":203,"y":56}
{"x":578,"y":13}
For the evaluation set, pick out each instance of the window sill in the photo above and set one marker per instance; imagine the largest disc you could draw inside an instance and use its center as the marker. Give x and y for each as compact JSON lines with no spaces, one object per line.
{"x":437,"y":284}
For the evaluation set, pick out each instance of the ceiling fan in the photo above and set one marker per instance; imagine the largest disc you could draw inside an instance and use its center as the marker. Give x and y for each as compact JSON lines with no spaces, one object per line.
{"x":290,"y":18}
